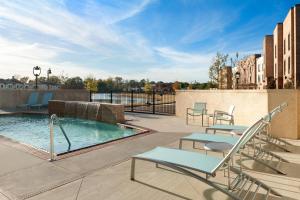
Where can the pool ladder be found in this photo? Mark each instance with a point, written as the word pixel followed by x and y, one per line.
pixel 54 119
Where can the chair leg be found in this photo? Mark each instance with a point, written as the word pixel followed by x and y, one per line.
pixel 180 144
pixel 194 145
pixel 132 169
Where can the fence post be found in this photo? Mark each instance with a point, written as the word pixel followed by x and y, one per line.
pixel 91 96
pixel 153 101
pixel 111 96
pixel 131 100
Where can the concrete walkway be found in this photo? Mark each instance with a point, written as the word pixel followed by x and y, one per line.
pixel 104 173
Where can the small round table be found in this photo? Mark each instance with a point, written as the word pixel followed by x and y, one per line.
pixel 217 147
pixel 237 132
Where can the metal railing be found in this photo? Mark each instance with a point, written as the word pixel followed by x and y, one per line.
pixel 153 102
pixel 55 120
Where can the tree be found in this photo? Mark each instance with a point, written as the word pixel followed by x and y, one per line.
pixel 55 80
pixel 73 83
pixel 91 84
pixel 219 61
pixel 148 87
pixel 24 79
pixel 176 86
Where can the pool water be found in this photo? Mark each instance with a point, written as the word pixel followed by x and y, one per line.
pixel 34 130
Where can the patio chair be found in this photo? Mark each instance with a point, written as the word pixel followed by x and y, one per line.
pixel 238 129
pixel 188 163
pixel 214 142
pixel 46 97
pixel 224 116
pixel 33 99
pixel 198 110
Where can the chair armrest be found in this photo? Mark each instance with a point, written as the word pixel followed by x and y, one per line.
pixel 204 111
pixel 220 112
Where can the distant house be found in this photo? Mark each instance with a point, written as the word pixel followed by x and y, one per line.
pixel 11 84
pixel 16 84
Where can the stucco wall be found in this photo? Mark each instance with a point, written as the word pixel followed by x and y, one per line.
pixel 250 105
pixel 11 98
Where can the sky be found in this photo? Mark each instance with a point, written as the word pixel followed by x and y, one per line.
pixel 160 40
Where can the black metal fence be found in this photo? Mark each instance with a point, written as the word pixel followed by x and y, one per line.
pixel 154 102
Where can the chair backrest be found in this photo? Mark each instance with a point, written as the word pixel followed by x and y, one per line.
pixel 274 111
pixel 199 107
pixel 47 96
pixel 231 109
pixel 33 98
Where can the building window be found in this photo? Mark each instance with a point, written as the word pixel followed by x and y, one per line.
pixel 284 69
pixel 289 38
pixel 284 46
pixel 258 79
pixel 275 51
pixel 275 70
pixel 289 65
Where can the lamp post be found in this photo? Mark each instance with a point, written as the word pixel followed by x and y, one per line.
pixel 237 77
pixel 48 73
pixel 36 73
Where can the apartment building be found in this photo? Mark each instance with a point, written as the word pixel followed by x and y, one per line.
pixel 291 48
pixel 268 61
pixel 225 78
pixel 260 72
pixel 247 69
pixel 278 59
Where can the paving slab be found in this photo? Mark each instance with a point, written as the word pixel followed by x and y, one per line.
pixel 13 159
pixel 65 192
pixel 25 183
pixel 113 154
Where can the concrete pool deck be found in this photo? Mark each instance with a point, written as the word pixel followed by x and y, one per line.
pixel 104 173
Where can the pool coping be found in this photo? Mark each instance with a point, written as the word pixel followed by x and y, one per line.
pixel 45 155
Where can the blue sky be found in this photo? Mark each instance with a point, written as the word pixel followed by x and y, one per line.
pixel 164 40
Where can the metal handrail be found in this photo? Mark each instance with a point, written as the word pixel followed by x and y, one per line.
pixel 54 119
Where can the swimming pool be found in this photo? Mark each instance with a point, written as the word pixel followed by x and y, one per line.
pixel 34 131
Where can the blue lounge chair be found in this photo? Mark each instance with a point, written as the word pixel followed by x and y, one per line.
pixel 240 128
pixel 46 97
pixel 188 163
pixel 33 99
pixel 211 141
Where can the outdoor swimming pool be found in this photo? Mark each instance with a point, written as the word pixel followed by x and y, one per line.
pixel 34 130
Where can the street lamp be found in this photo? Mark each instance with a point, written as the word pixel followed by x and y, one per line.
pixel 237 77
pixel 36 73
pixel 48 73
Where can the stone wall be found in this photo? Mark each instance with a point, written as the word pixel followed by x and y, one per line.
pixel 109 113
pixel 250 105
pixel 10 98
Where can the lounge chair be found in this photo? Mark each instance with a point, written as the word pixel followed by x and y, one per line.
pixel 33 99
pixel 214 142
pixel 188 163
pixel 270 139
pixel 240 128
pixel 46 97
pixel 198 110
pixel 224 116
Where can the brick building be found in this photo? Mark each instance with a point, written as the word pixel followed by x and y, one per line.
pixel 225 78
pixel 278 62
pixel 268 61
pixel 247 69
